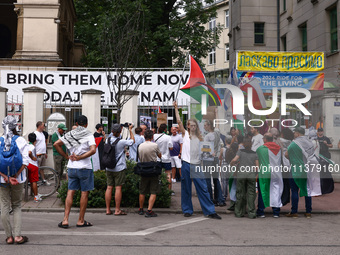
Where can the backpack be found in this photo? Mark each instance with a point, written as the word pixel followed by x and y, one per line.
pixel 10 161
pixel 108 159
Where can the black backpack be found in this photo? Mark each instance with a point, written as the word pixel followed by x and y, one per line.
pixel 108 159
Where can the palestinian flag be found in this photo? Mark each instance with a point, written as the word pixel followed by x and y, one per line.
pixel 327 182
pixel 97 156
pixel 270 175
pixel 309 182
pixel 197 85
pixel 232 188
pixel 258 99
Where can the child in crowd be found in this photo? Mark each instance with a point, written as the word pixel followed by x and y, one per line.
pixel 33 169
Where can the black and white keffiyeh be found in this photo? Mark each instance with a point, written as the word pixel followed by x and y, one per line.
pixel 76 137
pixel 8 124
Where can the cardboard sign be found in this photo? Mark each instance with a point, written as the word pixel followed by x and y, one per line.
pixel 162 118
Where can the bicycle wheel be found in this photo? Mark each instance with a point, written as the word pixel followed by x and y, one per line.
pixel 48 186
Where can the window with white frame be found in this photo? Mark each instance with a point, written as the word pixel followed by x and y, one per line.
pixel 212 56
pixel 227 18
pixel 212 23
pixel 227 52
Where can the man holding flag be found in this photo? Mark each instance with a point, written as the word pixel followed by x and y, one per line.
pixel 270 176
pixel 301 154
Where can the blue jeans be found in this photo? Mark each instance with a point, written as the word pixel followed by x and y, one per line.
pixel 260 204
pixel 201 189
pixel 295 198
pixel 217 196
pixel 225 186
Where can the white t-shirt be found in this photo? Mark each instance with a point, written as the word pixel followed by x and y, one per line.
pixel 23 147
pixel 257 141
pixel 34 153
pixel 190 149
pixel 164 143
pixel 79 150
pixel 40 146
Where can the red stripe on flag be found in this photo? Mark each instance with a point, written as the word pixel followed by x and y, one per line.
pixel 98 140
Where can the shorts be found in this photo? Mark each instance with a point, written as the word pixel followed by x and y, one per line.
pixel 80 179
pixel 33 173
pixel 176 162
pixel 149 185
pixel 41 159
pixel 166 166
pixel 115 178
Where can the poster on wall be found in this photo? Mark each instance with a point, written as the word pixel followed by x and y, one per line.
pixel 267 81
pixel 276 61
pixel 145 120
pixel 10 107
pixel 336 120
pixel 18 107
pixel 19 128
pixel 17 117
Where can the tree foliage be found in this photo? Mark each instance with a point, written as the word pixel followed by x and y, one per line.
pixel 168 34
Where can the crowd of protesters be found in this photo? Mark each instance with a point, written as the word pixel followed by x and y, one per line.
pixel 180 150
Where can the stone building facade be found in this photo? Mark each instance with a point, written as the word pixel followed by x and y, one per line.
pixel 38 33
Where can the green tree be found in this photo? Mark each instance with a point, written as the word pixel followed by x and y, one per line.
pixel 122 42
pixel 168 33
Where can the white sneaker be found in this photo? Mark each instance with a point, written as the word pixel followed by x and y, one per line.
pixel 37 199
pixel 172 193
pixel 39 195
pixel 173 180
pixel 46 182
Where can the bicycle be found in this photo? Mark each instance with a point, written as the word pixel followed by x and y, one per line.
pixel 46 187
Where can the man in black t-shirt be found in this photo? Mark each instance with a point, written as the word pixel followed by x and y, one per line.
pixel 100 131
pixel 99 137
pixel 325 144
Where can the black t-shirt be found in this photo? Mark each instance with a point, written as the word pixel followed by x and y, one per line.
pixel 45 134
pixel 324 149
pixel 96 134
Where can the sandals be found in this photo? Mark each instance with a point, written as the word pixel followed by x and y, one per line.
pixel 86 224
pixel 23 240
pixel 109 213
pixel 12 242
pixel 60 225
pixel 121 213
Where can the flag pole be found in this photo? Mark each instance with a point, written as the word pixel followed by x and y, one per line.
pixel 179 84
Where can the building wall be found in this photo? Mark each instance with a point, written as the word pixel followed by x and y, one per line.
pixel 220 69
pixel 66 33
pixel 243 16
pixel 318 31
pixel 42 32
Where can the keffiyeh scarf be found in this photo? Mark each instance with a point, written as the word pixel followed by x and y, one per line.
pixel 8 124
pixel 76 137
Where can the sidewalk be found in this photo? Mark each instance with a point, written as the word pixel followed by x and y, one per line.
pixel 328 204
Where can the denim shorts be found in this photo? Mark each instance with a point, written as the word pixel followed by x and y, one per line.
pixel 80 179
